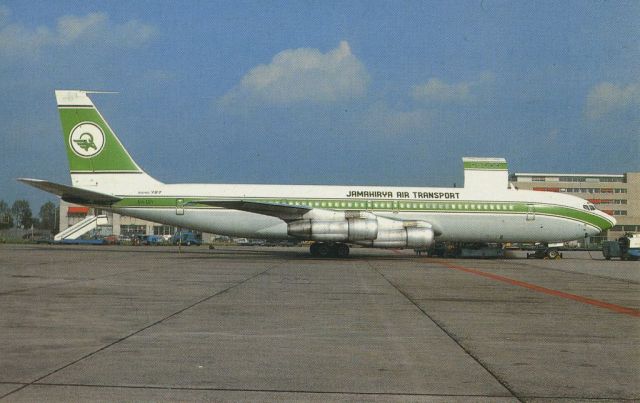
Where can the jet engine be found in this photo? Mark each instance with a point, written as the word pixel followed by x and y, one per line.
pixel 409 237
pixel 364 229
pixel 350 229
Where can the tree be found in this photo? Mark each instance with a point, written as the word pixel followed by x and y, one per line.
pixel 22 213
pixel 6 220
pixel 48 214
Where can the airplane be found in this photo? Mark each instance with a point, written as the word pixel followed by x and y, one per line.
pixel 487 209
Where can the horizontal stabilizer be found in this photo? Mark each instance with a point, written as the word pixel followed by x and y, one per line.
pixel 72 194
pixel 285 212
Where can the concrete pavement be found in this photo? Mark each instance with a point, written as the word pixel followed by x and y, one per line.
pixel 273 324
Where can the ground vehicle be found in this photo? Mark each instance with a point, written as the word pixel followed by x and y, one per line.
pixel 626 248
pixel 153 240
pixel 112 240
pixel 185 238
pixel 546 251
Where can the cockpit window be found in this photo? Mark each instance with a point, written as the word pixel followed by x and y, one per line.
pixel 584 206
pixel 589 207
pixel 592 208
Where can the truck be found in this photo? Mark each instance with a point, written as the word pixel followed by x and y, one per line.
pixel 625 248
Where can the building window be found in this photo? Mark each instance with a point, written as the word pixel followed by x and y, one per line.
pixel 164 230
pixel 132 229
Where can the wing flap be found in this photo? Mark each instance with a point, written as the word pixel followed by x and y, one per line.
pixel 72 194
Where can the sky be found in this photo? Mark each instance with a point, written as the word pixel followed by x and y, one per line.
pixel 324 92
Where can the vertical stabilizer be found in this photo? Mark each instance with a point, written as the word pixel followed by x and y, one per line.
pixel 96 155
pixel 485 173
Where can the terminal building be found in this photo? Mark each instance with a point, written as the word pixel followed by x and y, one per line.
pixel 617 194
pixel 123 226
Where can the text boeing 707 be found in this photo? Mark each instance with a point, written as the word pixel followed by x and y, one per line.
pixel 487 209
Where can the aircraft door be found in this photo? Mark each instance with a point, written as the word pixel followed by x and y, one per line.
pixel 180 207
pixel 531 212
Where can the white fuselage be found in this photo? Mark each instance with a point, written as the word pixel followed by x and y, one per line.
pixel 456 214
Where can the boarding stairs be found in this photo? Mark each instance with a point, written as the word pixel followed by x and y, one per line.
pixel 81 228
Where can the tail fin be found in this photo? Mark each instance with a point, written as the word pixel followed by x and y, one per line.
pixel 96 156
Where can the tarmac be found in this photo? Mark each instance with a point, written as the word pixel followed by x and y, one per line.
pixel 109 323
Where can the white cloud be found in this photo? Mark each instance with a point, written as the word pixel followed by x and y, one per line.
pixel 606 97
pixel 386 121
pixel 94 29
pixel 298 75
pixel 437 91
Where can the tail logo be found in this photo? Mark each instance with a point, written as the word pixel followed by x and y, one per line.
pixel 86 140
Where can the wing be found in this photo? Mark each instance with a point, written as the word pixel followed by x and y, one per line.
pixel 72 194
pixel 285 212
pixel 290 213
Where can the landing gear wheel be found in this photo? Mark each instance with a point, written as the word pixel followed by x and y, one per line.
pixel 324 250
pixel 342 250
pixel 553 254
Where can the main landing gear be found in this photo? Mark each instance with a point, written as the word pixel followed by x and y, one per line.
pixel 329 249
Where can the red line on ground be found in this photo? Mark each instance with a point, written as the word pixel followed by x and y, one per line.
pixel 544 290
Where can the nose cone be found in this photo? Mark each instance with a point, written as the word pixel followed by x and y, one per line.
pixel 611 222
